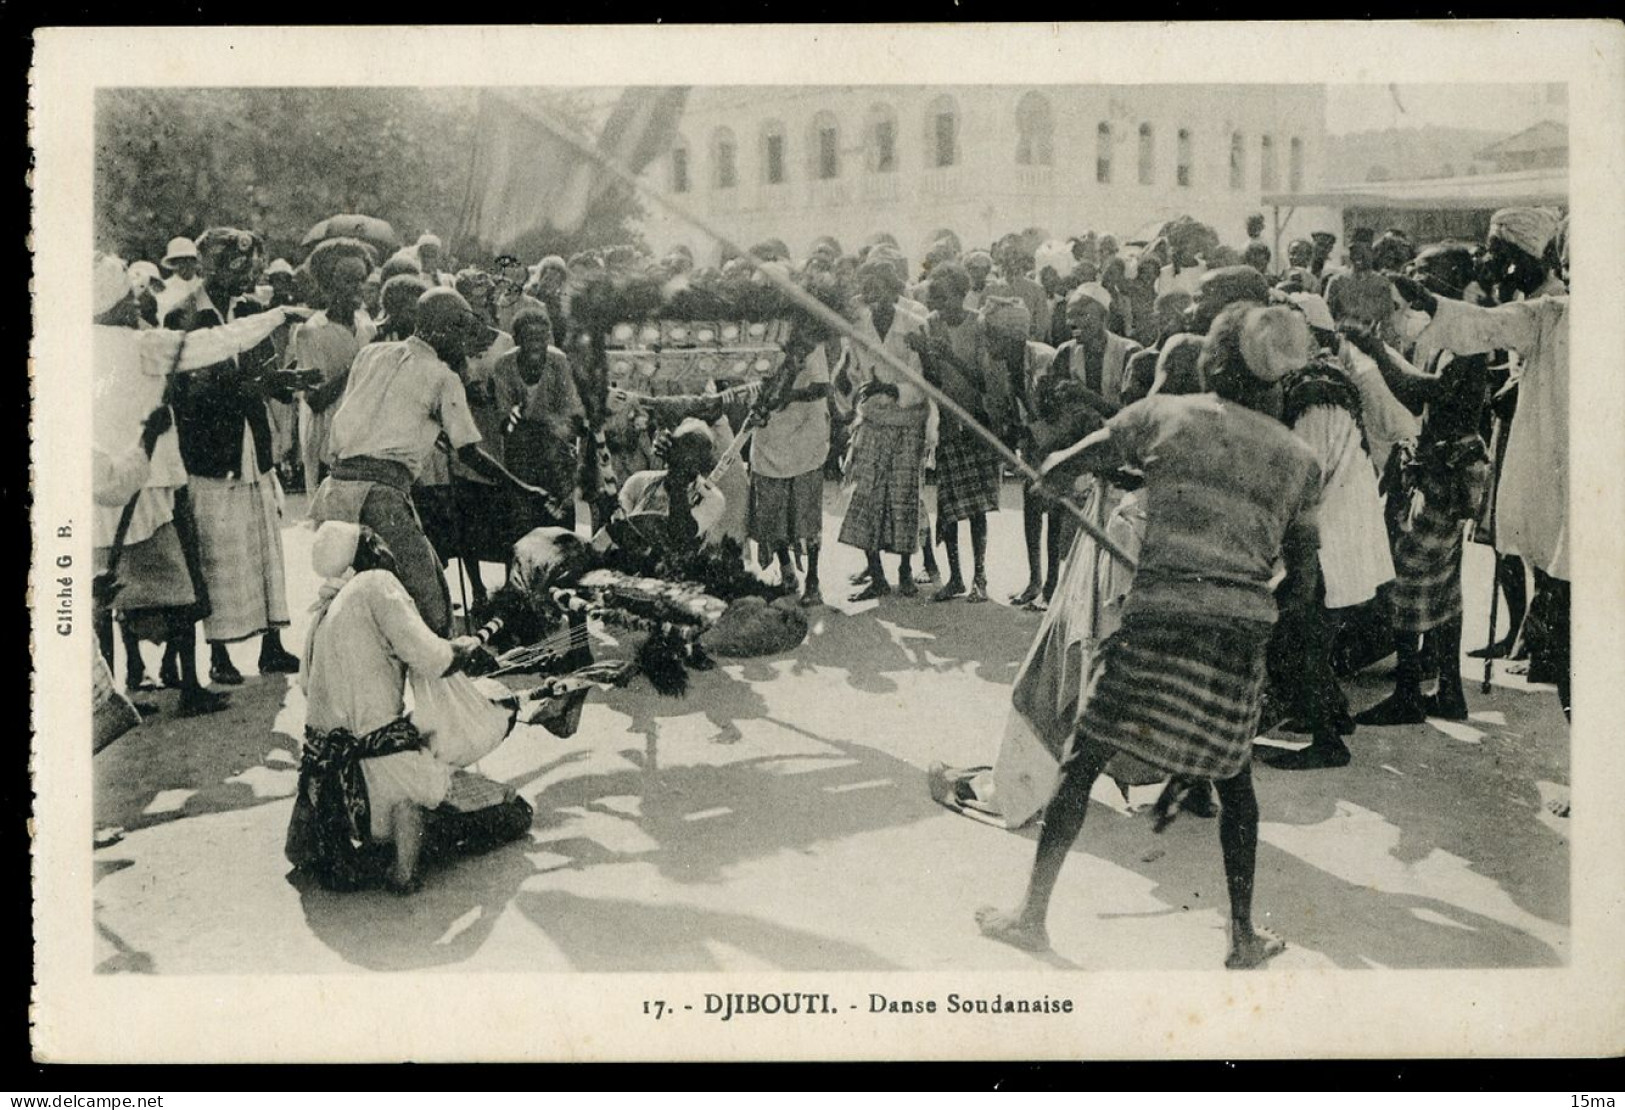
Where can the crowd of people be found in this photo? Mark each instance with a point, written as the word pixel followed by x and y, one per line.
pixel 1294 455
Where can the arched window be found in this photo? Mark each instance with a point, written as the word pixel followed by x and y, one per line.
pixel 679 166
pixel 1035 131
pixel 773 153
pixel 1148 155
pixel 1294 167
pixel 942 132
pixel 1238 160
pixel 1103 154
pixel 824 143
pixel 724 159
pixel 880 139
pixel 1267 177
pixel 1183 168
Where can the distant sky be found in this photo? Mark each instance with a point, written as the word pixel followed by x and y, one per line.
pixel 1500 107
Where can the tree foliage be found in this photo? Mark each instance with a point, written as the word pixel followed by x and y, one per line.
pixel 176 161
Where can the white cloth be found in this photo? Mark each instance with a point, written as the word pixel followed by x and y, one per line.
pixel 117 478
pixel 321 344
pixel 795 440
pixel 1387 422
pixel 129 371
pixel 645 492
pixel 865 366
pixel 1354 553
pixel 399 399
pixel 1531 505
pixel 354 678
pixel 1187 280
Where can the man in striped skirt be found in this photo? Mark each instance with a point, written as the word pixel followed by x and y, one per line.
pixel 1228 491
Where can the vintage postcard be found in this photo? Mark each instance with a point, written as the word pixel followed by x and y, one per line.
pixel 828 542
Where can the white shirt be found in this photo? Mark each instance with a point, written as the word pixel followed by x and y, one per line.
pixel 129 371
pixel 359 651
pixel 400 397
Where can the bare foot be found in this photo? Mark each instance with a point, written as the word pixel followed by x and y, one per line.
pixel 1253 950
pixel 1010 929
pixel 1027 596
pixel 872 592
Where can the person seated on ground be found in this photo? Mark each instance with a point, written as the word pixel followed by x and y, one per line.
pixel 371 796
pixel 650 518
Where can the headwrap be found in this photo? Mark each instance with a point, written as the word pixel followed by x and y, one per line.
pixel 554 262
pixel 1056 256
pixel 1008 316
pixel 1092 290
pixel 1528 229
pixel 279 266
pixel 1313 307
pixel 1230 284
pixel 473 284
pixel 1275 342
pixel 229 248
pixel 429 239
pixel 1323 238
pixel 110 283
pixel 141 275
pixel 333 550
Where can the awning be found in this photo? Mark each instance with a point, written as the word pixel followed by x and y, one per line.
pixel 1480 191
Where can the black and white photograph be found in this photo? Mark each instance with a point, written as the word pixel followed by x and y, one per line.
pixel 756 549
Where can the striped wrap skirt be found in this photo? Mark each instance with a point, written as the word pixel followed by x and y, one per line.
pixel 239 531
pixel 1181 696
pixel 968 477
pixel 883 480
pixel 1427 571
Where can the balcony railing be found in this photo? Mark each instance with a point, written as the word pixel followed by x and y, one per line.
pixel 940 182
pixel 880 188
pixel 827 194
pixel 1035 179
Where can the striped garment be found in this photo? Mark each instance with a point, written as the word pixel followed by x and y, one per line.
pixel 968 477
pixel 1452 479
pixel 239 531
pixel 1427 572
pixel 1180 695
pixel 883 513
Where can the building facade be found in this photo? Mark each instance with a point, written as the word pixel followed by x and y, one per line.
pixel 797 162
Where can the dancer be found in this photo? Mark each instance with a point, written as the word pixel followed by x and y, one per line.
pixel 1228 492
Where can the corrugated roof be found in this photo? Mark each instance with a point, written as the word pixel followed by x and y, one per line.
pixel 1479 191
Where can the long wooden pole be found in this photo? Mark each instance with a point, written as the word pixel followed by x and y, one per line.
pixel 819 310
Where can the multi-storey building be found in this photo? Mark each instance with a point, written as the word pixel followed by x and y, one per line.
pixel 798 162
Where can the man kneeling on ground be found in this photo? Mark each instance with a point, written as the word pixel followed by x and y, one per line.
pixel 367 779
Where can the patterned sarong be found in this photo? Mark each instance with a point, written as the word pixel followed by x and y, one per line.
pixel 1452 480
pixel 1178 695
pixel 968 477
pixel 884 511
pixel 239 531
pixel 331 829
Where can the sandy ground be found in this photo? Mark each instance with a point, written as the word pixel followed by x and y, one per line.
pixel 777 817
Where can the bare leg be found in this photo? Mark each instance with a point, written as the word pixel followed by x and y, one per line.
pixel 878 586
pixel 978 551
pixel 1238 840
pixel 1451 701
pixel 1054 536
pixel 906 586
pixel 812 595
pixel 1032 533
pixel 955 584
pixel 1063 821
pixel 194 699
pixel 135 668
pixel 406 824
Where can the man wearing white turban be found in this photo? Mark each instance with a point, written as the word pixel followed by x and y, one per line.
pixel 1531 506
